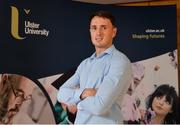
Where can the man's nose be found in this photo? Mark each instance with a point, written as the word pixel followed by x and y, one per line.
pixel 99 30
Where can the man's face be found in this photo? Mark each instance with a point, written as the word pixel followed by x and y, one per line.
pixel 102 32
pixel 19 94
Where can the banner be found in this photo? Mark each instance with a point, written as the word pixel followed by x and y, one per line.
pixel 44 44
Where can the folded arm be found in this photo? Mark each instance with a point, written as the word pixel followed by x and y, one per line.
pixel 113 86
pixel 70 92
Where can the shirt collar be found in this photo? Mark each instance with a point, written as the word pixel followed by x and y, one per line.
pixel 107 51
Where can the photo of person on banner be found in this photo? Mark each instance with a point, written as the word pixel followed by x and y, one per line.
pixel 96 89
pixel 162 106
pixel 22 102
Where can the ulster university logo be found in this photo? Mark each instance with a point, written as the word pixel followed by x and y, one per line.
pixel 15 23
pixel 30 27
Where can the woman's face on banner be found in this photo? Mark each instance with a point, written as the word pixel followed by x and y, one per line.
pixel 161 106
pixel 102 32
pixel 20 93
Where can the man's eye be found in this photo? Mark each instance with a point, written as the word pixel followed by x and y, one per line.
pixel 93 28
pixel 104 27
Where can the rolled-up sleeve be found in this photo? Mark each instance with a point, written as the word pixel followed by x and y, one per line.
pixel 69 92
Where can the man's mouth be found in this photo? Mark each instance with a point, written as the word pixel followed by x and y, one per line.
pixel 99 38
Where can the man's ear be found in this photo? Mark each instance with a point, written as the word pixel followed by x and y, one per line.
pixel 4 78
pixel 114 31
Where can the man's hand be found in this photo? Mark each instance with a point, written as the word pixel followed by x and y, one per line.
pixel 88 92
pixel 64 106
pixel 72 108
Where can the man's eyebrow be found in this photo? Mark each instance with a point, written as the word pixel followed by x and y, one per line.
pixel 103 25
pixel 93 25
pixel 97 25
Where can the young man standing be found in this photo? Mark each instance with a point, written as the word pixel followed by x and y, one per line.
pixel 96 89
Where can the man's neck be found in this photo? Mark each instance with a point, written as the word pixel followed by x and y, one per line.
pixel 100 50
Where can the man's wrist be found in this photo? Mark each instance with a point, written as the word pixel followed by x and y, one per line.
pixel 81 96
pixel 77 95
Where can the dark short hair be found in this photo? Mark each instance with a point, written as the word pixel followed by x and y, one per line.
pixel 104 14
pixel 171 96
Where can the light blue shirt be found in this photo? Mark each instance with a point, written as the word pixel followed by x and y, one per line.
pixel 110 73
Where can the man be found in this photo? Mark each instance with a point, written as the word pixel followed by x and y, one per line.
pixel 96 89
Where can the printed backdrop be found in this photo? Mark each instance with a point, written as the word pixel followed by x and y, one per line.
pixel 42 40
